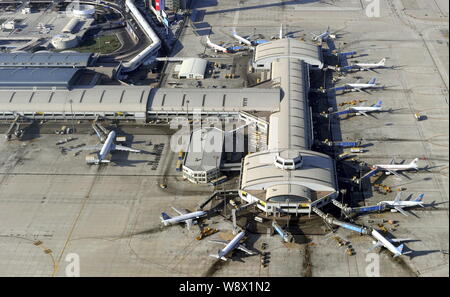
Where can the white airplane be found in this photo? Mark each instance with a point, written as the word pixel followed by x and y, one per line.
pixel 323 36
pixel 398 205
pixel 362 110
pixel 230 246
pixel 392 168
pixel 106 148
pixel 370 66
pixel 184 217
pixel 387 243
pixel 241 39
pixel 215 47
pixel 372 83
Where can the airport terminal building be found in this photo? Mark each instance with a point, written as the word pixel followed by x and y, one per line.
pixel 287 177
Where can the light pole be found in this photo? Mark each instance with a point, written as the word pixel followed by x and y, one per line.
pixel 187 110
pixel 73 119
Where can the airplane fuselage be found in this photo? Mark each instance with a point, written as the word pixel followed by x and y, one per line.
pixel 242 40
pixel 322 36
pixel 368 66
pixel 363 66
pixel 231 245
pixel 386 243
pixel 361 86
pixel 106 148
pixel 216 47
pixel 396 167
pixel 402 203
pixel 185 217
pixel 365 108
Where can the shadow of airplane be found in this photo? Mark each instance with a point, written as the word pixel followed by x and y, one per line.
pixel 261 6
pixel 415 254
pixel 125 163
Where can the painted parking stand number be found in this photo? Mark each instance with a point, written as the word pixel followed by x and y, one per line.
pixel 373 265
pixel 373 8
pixel 73 266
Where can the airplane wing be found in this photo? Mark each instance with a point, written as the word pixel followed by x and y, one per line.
pixel 86 148
pixel 409 197
pixel 404 175
pixel 363 113
pixel 179 211
pixel 400 239
pixel 342 112
pixel 224 242
pixel 343 88
pixel 376 245
pixel 395 173
pixel 315 36
pixel 245 250
pixel 99 133
pixel 391 162
pixel 370 173
pixel 188 224
pixel 125 148
pixel 400 210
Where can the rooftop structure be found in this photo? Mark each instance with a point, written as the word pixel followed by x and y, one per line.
pixel 113 102
pixel 82 10
pixel 288 177
pixel 164 101
pixel 193 68
pixel 65 41
pixel 45 59
pixel 204 155
pixel 310 183
pixel 133 102
pixel 291 127
pixel 37 77
pixel 71 26
pixel 268 52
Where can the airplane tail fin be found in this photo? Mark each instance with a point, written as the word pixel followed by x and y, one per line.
pixel 217 256
pixel 96 160
pixel 414 162
pixel 379 103
pixel 400 248
pixel 165 216
pixel 419 198
pixel 382 62
pixel 189 224
pixel 372 81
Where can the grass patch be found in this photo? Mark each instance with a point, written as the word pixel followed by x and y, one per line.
pixel 103 45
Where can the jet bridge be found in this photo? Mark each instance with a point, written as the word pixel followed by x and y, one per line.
pixel 14 128
pixel 358 210
pixel 333 221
